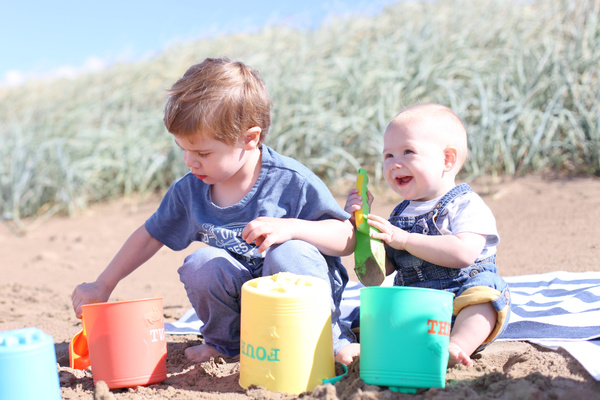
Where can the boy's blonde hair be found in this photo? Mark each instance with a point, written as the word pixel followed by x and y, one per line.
pixel 447 126
pixel 221 98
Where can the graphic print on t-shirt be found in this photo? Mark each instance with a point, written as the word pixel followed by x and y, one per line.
pixel 229 237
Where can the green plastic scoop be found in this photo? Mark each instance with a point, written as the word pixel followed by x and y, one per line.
pixel 369 254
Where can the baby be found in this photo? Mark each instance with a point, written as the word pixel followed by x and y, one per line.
pixel 442 235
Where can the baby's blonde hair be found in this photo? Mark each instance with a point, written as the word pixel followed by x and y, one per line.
pixel 444 123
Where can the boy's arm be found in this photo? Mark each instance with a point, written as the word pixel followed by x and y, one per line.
pixel 331 236
pixel 136 250
pixel 452 251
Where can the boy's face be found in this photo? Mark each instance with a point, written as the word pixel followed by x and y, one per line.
pixel 211 160
pixel 414 161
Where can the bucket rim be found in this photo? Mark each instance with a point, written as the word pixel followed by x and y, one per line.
pixel 406 288
pixel 114 303
pixel 27 339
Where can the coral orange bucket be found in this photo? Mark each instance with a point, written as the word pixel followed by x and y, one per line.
pixel 126 342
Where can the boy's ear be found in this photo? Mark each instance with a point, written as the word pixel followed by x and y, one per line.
pixel 252 137
pixel 450 158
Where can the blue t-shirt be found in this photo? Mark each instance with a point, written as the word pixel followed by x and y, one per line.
pixel 285 189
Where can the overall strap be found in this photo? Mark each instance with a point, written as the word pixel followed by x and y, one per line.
pixel 400 208
pixel 449 197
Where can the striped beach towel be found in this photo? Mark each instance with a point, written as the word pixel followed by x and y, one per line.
pixel 554 306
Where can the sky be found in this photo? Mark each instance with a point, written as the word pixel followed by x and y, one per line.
pixel 47 39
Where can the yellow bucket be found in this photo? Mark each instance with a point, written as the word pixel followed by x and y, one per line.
pixel 286 340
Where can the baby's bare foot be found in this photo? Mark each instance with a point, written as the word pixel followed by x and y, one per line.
pixel 458 356
pixel 346 354
pixel 202 353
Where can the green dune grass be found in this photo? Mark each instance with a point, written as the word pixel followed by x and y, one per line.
pixel 523 76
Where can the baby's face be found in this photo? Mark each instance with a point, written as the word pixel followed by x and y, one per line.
pixel 415 161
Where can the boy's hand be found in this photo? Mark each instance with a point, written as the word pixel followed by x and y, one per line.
pixel 267 231
pixel 391 235
pixel 87 293
pixel 354 203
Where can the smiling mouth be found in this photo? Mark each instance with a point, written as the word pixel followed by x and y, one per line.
pixel 403 180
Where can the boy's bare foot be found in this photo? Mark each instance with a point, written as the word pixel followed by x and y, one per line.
pixel 346 354
pixel 201 353
pixel 458 356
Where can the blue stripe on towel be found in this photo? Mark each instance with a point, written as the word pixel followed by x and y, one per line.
pixel 536 330
pixel 582 294
pixel 545 312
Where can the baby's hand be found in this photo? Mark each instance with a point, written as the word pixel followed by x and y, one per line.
pixel 354 202
pixel 390 234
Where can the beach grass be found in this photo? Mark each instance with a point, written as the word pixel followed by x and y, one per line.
pixel 522 75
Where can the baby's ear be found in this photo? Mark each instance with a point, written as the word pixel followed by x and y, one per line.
pixel 450 158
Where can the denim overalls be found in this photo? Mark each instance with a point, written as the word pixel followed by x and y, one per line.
pixel 480 279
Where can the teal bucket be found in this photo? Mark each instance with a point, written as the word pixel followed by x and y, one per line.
pixel 28 369
pixel 404 337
